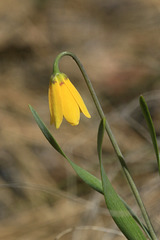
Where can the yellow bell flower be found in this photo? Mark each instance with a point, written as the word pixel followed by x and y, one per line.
pixel 64 100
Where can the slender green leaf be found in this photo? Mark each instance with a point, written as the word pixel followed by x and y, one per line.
pixel 151 128
pixel 88 178
pixel 46 132
pixel 118 210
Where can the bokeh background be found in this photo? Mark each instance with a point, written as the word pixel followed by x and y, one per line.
pixel 118 43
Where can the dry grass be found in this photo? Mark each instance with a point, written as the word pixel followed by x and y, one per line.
pixel 118 42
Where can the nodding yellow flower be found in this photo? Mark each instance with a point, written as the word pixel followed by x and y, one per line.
pixel 64 100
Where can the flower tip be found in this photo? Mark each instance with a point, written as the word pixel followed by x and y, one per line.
pixel 88 115
pixel 85 112
pixel 57 124
pixel 74 123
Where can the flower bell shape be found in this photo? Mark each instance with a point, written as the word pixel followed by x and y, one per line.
pixel 65 100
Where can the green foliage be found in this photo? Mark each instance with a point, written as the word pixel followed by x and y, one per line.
pixel 118 210
pixel 151 128
pixel 88 178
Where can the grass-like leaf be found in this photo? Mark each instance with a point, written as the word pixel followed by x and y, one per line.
pixel 151 128
pixel 88 178
pixel 115 205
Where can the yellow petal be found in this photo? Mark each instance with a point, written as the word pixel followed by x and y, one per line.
pixel 70 107
pixel 77 97
pixel 55 103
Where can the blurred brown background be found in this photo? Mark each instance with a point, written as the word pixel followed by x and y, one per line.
pixel 118 43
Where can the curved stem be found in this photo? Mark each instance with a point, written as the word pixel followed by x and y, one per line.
pixel 111 137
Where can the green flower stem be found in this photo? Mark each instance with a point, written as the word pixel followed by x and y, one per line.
pixel 56 66
pixel 111 137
